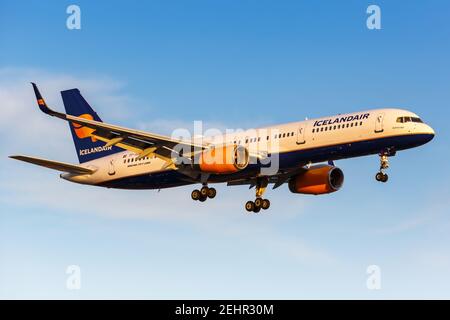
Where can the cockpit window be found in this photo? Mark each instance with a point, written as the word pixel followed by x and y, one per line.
pixel 409 119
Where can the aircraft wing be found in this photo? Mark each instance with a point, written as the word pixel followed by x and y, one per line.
pixel 55 165
pixel 140 142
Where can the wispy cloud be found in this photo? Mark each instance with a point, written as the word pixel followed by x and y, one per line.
pixel 431 210
pixel 404 225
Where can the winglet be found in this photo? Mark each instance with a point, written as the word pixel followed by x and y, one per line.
pixel 40 101
pixel 42 105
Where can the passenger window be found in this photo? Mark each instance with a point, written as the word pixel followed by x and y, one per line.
pixel 284 135
pixel 360 123
pixel 334 128
pixel 267 137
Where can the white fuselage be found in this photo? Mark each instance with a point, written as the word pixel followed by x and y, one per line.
pixel 303 141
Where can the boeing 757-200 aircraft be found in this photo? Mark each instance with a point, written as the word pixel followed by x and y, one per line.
pixel 117 157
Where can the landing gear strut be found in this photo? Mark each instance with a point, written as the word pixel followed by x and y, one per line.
pixel 259 203
pixel 384 164
pixel 204 193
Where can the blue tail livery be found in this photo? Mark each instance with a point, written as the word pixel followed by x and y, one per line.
pixel 88 147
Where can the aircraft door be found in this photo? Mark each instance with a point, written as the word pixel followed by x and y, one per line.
pixel 379 123
pixel 301 133
pixel 111 170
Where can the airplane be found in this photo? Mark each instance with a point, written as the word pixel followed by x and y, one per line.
pixel 303 152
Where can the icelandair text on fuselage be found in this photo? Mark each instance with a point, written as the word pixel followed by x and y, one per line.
pixel 327 122
pixel 94 150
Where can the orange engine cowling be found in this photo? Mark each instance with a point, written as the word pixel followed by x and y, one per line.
pixel 222 159
pixel 317 180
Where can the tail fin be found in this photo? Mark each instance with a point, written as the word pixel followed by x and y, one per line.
pixel 88 147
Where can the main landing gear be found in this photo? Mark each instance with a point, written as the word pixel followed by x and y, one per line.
pixel 204 193
pixel 384 164
pixel 259 203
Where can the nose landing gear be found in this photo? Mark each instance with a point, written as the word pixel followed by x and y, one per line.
pixel 384 165
pixel 259 203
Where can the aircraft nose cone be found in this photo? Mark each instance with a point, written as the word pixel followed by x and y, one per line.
pixel 429 134
pixel 431 131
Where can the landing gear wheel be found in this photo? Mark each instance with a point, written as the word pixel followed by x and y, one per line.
pixel 211 193
pixel 258 202
pixel 379 176
pixel 265 204
pixel 202 198
pixel 256 209
pixel 195 194
pixel 382 177
pixel 204 191
pixel 250 206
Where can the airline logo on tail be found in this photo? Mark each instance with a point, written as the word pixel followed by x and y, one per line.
pixel 83 132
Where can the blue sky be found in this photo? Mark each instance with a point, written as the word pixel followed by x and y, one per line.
pixel 161 65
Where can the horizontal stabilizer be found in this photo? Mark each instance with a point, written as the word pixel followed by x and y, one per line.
pixel 55 165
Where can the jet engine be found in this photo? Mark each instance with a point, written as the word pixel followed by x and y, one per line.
pixel 317 180
pixel 222 159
